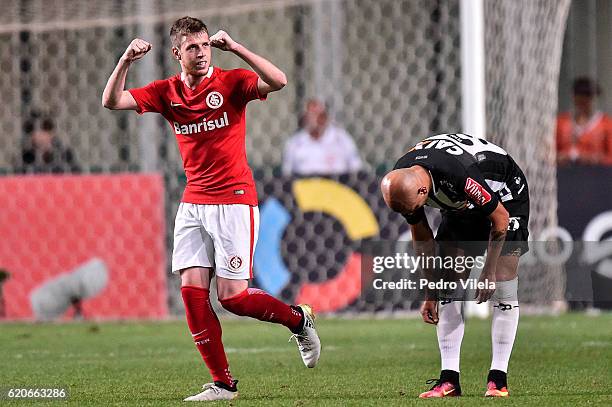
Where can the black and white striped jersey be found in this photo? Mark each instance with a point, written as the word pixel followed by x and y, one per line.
pixel 467 172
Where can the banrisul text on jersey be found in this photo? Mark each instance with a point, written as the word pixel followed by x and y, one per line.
pixel 201 126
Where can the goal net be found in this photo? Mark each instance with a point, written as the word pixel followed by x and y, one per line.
pixel 389 72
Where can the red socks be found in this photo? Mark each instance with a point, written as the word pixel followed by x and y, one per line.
pixel 206 331
pixel 260 305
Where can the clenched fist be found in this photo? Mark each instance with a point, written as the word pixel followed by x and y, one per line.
pixel 223 41
pixel 136 50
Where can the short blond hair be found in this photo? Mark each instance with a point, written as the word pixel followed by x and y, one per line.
pixel 185 26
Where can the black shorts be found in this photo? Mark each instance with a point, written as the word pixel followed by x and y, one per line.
pixel 459 229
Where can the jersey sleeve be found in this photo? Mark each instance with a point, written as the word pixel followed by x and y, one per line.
pixel 148 98
pixel 246 85
pixel 479 193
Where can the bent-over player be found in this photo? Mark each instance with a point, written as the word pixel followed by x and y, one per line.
pixel 483 196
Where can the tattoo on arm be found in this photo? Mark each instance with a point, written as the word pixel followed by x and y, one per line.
pixel 498 235
pixel 497 240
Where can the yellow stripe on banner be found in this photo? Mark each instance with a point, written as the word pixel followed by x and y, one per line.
pixel 339 201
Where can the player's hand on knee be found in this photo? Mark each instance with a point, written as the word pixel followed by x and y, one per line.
pixel 136 50
pixel 223 41
pixel 484 294
pixel 429 311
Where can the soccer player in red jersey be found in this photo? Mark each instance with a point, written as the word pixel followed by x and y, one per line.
pixel 217 221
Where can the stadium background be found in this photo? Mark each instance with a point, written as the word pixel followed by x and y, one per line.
pixel 390 72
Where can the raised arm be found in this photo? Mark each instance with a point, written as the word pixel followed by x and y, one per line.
pixel 115 97
pixel 271 78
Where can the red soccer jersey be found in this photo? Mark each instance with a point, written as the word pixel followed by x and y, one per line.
pixel 210 125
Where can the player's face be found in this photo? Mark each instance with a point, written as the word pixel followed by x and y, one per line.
pixel 194 54
pixel 412 202
pixel 408 208
pixel 412 209
pixel 403 205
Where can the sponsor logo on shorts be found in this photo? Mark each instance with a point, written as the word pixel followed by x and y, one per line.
pixel 214 100
pixel 235 262
pixel 513 223
pixel 239 192
pixel 476 192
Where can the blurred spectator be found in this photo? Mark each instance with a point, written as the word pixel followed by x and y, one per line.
pixel 43 152
pixel 319 147
pixel 584 136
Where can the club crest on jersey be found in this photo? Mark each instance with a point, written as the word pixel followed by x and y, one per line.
pixel 476 192
pixel 234 262
pixel 214 100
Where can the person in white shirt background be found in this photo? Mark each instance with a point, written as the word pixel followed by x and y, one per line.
pixel 320 147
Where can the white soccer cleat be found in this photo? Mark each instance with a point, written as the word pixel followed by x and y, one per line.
pixel 212 392
pixel 308 340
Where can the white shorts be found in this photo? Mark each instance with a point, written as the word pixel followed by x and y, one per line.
pixel 222 237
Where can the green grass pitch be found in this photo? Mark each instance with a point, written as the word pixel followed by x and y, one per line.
pixel 557 361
